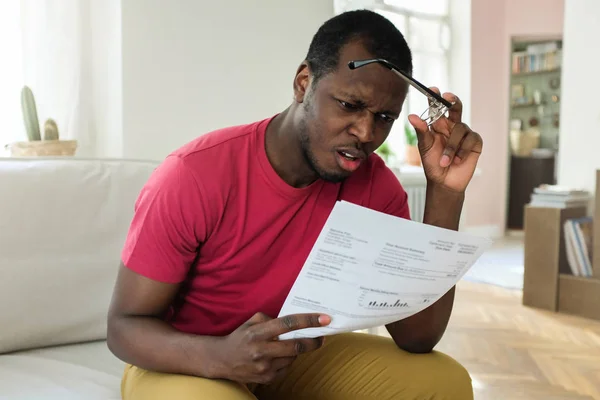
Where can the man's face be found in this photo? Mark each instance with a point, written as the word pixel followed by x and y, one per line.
pixel 348 115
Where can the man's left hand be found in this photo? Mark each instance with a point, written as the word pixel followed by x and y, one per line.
pixel 449 148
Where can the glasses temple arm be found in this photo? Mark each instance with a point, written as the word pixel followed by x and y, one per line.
pixel 411 81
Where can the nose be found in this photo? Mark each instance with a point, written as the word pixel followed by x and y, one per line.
pixel 364 127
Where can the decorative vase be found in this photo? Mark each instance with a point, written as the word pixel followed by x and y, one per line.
pixel 412 156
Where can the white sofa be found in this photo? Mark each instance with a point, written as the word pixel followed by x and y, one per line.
pixel 62 224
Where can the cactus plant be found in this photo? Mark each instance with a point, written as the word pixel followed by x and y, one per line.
pixel 32 124
pixel 50 130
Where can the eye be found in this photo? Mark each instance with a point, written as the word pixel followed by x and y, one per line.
pixel 348 106
pixel 386 118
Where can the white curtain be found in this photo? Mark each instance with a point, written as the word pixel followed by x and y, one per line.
pixel 48 44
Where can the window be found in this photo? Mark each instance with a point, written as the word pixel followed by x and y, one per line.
pixel 11 73
pixel 46 45
pixel 425 25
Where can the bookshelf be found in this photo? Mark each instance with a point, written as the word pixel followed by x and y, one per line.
pixel 534 120
pixel 535 89
pixel 549 282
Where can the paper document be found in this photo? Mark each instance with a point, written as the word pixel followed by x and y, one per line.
pixel 368 269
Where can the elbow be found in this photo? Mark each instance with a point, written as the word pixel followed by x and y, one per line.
pixel 417 345
pixel 113 337
pixel 111 344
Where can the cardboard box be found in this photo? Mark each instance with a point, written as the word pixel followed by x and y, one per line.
pixel 545 256
pixel 548 282
pixel 579 296
pixel 596 234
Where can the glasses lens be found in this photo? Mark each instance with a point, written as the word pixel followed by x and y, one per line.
pixel 433 113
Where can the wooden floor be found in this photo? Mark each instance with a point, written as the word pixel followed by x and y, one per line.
pixel 514 352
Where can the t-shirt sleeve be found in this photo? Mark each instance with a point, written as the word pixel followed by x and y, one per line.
pixel 168 224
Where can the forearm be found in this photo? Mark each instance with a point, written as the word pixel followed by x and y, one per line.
pixel 443 207
pixel 421 332
pixel 152 344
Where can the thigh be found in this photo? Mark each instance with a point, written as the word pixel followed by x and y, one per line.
pixel 360 366
pixel 140 384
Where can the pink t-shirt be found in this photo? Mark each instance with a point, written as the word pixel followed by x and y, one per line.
pixel 216 217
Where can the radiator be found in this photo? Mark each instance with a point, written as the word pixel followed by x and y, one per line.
pixel 416 201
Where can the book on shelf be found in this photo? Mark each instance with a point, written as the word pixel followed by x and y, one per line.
pixel 537 58
pixel 560 190
pixel 559 197
pixel 579 245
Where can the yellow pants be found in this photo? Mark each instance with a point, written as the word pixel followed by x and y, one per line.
pixel 348 367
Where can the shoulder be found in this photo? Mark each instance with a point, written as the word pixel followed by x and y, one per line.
pixel 217 157
pixel 214 143
pixel 379 188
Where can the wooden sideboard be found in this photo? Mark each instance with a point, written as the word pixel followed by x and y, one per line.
pixel 526 173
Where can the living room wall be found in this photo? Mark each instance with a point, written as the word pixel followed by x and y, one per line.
pixel 195 94
pixel 493 23
pixel 580 114
pixel 240 70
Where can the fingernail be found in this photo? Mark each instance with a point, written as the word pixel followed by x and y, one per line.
pixel 324 319
pixel 445 161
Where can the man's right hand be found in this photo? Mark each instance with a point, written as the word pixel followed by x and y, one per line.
pixel 253 354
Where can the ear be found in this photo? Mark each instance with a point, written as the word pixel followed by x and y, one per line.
pixel 301 82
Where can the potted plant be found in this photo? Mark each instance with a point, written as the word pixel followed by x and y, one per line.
pixel 385 152
pixel 412 156
pixel 50 145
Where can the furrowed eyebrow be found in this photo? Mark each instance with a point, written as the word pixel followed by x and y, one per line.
pixel 357 101
pixel 354 99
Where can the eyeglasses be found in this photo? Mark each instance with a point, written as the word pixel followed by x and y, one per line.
pixel 438 106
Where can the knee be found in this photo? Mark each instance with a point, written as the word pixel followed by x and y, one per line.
pixel 451 379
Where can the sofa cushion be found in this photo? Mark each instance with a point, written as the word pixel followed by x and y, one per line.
pixel 63 222
pixel 85 371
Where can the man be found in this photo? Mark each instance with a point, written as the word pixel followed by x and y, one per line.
pixel 225 223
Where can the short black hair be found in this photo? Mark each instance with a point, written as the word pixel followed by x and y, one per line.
pixel 380 36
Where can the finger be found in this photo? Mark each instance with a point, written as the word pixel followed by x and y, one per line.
pixel 282 363
pixel 278 326
pixel 459 132
pixel 282 366
pixel 257 319
pixel 471 144
pixel 455 112
pixel 280 374
pixel 434 89
pixel 424 135
pixel 273 371
pixel 441 125
pixel 292 347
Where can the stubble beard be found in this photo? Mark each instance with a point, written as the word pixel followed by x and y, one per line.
pixel 307 152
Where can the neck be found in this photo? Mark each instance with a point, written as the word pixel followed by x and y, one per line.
pixel 284 150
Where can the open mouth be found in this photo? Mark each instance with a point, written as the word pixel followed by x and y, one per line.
pixel 347 156
pixel 347 161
